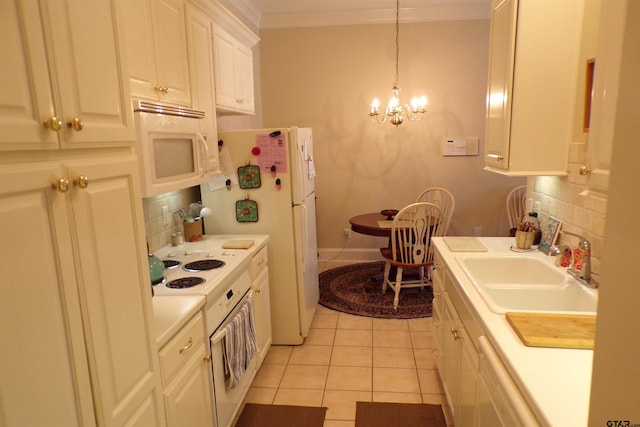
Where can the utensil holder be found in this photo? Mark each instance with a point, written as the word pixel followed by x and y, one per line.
pixel 192 230
pixel 524 239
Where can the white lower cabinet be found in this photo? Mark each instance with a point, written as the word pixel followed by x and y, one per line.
pixel 186 377
pixel 261 302
pixel 478 388
pixel 78 347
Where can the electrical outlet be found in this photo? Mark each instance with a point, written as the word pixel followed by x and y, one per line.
pixel 166 216
pixel 347 233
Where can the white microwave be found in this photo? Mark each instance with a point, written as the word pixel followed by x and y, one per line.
pixel 172 152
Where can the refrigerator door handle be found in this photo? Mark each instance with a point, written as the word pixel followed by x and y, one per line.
pixel 305 236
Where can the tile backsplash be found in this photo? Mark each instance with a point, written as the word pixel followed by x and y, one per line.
pixel 567 198
pixel 158 232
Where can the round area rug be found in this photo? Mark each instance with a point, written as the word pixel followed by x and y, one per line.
pixel 357 289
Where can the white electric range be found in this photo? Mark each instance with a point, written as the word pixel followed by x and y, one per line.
pixel 223 277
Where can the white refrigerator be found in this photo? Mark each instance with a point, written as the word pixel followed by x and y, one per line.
pixel 286 210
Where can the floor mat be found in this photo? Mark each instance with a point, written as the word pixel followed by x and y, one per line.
pixel 254 415
pixel 378 414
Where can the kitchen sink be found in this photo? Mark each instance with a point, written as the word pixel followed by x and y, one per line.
pixel 521 283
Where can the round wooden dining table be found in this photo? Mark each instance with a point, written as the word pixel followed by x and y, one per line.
pixel 368 224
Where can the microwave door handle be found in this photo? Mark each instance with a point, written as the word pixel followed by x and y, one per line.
pixel 204 154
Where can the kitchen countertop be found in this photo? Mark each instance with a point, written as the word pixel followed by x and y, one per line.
pixel 555 382
pixel 171 312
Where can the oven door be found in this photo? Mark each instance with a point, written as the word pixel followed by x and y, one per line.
pixel 228 400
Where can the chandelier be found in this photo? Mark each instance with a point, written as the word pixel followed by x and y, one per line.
pixel 396 111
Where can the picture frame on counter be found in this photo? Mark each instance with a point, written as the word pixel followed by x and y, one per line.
pixel 549 234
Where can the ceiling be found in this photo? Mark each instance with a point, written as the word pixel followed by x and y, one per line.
pixel 310 13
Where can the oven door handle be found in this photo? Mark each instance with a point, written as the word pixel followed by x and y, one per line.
pixel 217 337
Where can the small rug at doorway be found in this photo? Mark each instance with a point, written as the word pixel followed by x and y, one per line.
pixel 255 415
pixel 378 414
pixel 357 289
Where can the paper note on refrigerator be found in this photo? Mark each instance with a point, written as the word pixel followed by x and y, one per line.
pixel 228 173
pixel 273 152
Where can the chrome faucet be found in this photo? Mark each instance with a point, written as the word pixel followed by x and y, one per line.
pixel 584 274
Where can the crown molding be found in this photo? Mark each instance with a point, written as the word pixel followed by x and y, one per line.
pixel 444 11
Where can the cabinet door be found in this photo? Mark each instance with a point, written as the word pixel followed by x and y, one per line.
pixel 225 72
pixel 188 401
pixel 43 367
pixel 170 40
pixel 468 379
pixel 139 45
pixel 85 54
pixel 244 78
pixel 25 91
pixel 262 312
pixel 501 60
pixel 115 289
pixel 450 353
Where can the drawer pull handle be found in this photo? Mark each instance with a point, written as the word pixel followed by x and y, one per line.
pixel 187 346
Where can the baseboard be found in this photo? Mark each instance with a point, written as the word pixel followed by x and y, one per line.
pixel 335 257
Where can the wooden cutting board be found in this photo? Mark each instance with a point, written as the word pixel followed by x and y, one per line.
pixel 554 330
pixel 237 244
pixel 464 244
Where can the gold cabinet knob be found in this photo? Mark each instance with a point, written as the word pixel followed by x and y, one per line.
pixel 584 170
pixel 455 333
pixel 75 124
pixel 62 185
pixel 157 88
pixel 206 358
pixel 53 123
pixel 81 181
pixel 165 89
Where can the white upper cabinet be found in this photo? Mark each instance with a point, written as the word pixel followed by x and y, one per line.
pixel 62 84
pixel 533 69
pixel 611 41
pixel 156 43
pixel 233 57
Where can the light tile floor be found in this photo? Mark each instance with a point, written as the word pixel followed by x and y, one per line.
pixel 348 358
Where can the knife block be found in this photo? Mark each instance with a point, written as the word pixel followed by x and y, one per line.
pixel 192 230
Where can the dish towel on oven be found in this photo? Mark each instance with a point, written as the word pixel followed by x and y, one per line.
pixel 239 343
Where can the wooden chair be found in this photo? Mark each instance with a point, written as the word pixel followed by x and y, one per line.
pixel 443 199
pixel 516 205
pixel 411 248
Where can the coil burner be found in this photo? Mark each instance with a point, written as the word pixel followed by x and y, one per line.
pixel 170 263
pixel 203 265
pixel 185 282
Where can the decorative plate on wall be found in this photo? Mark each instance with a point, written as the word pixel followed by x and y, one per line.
pixel 249 176
pixel 246 211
